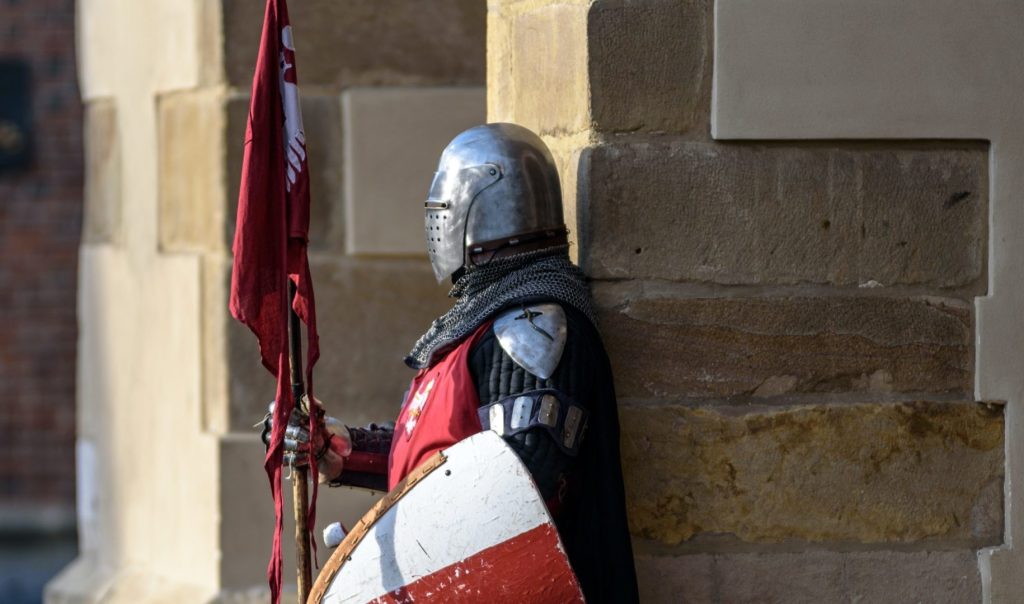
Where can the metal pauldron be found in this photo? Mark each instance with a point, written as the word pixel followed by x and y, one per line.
pixel 534 337
pixel 548 409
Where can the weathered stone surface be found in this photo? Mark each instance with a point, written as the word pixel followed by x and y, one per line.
pixel 321 118
pixel 871 473
pixel 549 69
pixel 499 65
pixel 393 139
pixel 157 50
pixel 811 577
pixel 649 65
pixel 512 68
pixel 192 187
pixel 785 214
pixel 369 314
pixel 102 216
pixel 667 347
pixel 612 66
pixel 676 579
pixel 567 158
pixel 237 109
pixel 366 42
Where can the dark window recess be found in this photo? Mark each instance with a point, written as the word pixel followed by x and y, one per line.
pixel 15 115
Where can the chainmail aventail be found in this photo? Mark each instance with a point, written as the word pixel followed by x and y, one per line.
pixel 484 290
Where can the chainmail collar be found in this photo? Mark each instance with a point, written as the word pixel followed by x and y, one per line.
pixel 484 290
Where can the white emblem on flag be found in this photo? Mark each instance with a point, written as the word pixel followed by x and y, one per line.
pixel 416 406
pixel 294 134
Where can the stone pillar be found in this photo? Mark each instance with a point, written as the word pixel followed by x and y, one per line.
pixel 173 502
pixel 791 321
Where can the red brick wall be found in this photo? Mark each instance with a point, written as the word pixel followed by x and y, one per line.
pixel 40 223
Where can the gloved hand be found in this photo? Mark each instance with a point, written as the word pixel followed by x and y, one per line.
pixel 331 441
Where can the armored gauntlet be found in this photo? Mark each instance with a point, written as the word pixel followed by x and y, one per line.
pixel 331 442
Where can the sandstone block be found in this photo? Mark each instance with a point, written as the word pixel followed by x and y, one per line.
pixel 664 347
pixel 393 139
pixel 366 42
pixel 868 473
pixel 216 328
pixel 499 65
pixel 786 214
pixel 676 578
pixel 369 313
pixel 567 158
pixel 237 109
pixel 158 49
pixel 191 179
pixel 649 65
pixel 811 577
pixel 549 69
pixel 102 215
pixel 321 118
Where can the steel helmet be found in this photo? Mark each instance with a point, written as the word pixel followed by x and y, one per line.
pixel 495 192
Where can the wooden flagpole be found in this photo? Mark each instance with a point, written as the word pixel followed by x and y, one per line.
pixel 300 488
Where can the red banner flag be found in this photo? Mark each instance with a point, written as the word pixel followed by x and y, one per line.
pixel 271 233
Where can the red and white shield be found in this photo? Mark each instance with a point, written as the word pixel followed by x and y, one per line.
pixel 466 526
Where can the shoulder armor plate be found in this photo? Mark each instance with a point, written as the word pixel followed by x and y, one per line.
pixel 534 336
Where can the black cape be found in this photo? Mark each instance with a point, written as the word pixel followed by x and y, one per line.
pixel 595 532
pixel 592 523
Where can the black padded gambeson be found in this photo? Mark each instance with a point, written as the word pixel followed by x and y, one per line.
pixel 497 376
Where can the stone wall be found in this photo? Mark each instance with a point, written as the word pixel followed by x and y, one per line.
pixel 801 223
pixel 40 221
pixel 791 322
pixel 176 505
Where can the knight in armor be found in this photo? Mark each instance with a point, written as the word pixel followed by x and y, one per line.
pixel 518 353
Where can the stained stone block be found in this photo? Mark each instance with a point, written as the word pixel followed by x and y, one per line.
pixel 369 313
pixel 102 215
pixel 811 576
pixel 393 139
pixel 157 48
pixel 237 109
pixel 216 328
pixel 567 157
pixel 499 65
pixel 321 117
pixel 612 66
pixel 191 179
pixel 814 70
pixel 366 42
pixel 668 347
pixel 549 69
pixel 865 473
pixel 675 578
pixel 649 65
pixel 786 214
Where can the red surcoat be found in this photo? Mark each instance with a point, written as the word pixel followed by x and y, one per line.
pixel 439 410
